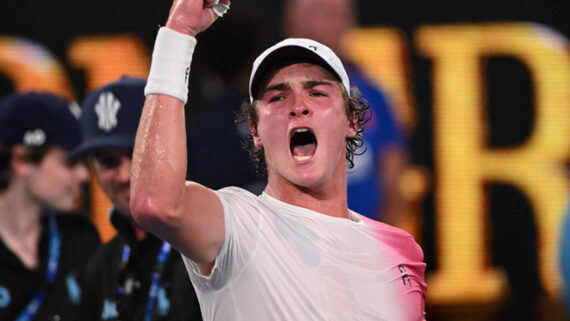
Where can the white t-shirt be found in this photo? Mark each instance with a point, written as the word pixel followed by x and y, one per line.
pixel 283 262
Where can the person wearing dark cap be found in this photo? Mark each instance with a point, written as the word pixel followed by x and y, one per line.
pixel 135 276
pixel 295 252
pixel 44 246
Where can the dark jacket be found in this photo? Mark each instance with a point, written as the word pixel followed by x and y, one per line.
pixel 19 285
pixel 175 299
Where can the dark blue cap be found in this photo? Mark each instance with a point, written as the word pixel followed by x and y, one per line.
pixel 111 115
pixel 39 119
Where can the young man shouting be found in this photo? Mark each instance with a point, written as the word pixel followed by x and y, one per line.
pixel 296 252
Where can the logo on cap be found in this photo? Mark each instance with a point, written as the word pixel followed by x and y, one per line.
pixel 35 137
pixel 106 109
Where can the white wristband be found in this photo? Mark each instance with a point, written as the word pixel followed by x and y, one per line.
pixel 170 67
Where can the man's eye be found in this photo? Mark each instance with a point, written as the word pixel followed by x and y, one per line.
pixel 71 162
pixel 276 98
pixel 318 93
pixel 108 161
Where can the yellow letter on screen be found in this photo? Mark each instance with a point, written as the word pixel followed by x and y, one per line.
pixel 31 67
pixel 106 58
pixel 536 167
pixel 383 54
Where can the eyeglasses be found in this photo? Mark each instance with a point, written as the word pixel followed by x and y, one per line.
pixel 112 157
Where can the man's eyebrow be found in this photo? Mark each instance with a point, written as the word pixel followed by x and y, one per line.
pixel 307 84
pixel 279 86
pixel 314 83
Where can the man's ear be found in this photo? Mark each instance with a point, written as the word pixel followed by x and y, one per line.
pixel 352 125
pixel 256 138
pixel 20 165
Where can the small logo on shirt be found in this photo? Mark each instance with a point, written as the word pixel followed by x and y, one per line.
pixel 5 297
pixel 109 310
pixel 73 289
pixel 405 277
pixel 163 303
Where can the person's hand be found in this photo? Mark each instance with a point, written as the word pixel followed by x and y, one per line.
pixel 192 16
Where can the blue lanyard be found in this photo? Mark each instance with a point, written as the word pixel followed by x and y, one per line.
pixel 155 279
pixel 53 262
pixel 155 276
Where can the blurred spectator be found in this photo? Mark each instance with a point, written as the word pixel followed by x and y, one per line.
pixel 373 184
pixel 119 277
pixel 42 253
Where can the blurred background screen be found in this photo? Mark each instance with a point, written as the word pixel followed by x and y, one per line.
pixel 481 89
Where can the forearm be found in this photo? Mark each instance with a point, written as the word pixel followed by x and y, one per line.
pixel 159 158
pixel 187 215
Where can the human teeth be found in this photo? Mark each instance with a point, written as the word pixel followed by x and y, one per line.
pixel 303 144
pixel 302 158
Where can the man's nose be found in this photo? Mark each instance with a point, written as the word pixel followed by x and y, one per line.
pixel 299 107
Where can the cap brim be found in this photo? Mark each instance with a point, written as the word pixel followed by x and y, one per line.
pixel 87 148
pixel 285 56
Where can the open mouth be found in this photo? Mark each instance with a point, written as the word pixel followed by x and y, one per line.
pixel 303 144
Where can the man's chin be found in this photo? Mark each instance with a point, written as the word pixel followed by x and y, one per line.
pixel 122 205
pixel 125 210
pixel 63 207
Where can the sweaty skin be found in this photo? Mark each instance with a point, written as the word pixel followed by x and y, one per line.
pixel 296 250
pixel 189 215
pixel 305 96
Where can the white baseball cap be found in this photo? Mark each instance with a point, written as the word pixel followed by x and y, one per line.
pixel 296 49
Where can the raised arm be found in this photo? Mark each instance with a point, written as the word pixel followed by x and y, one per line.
pixel 185 214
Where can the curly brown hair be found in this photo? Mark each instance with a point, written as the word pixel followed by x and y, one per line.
pixel 356 108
